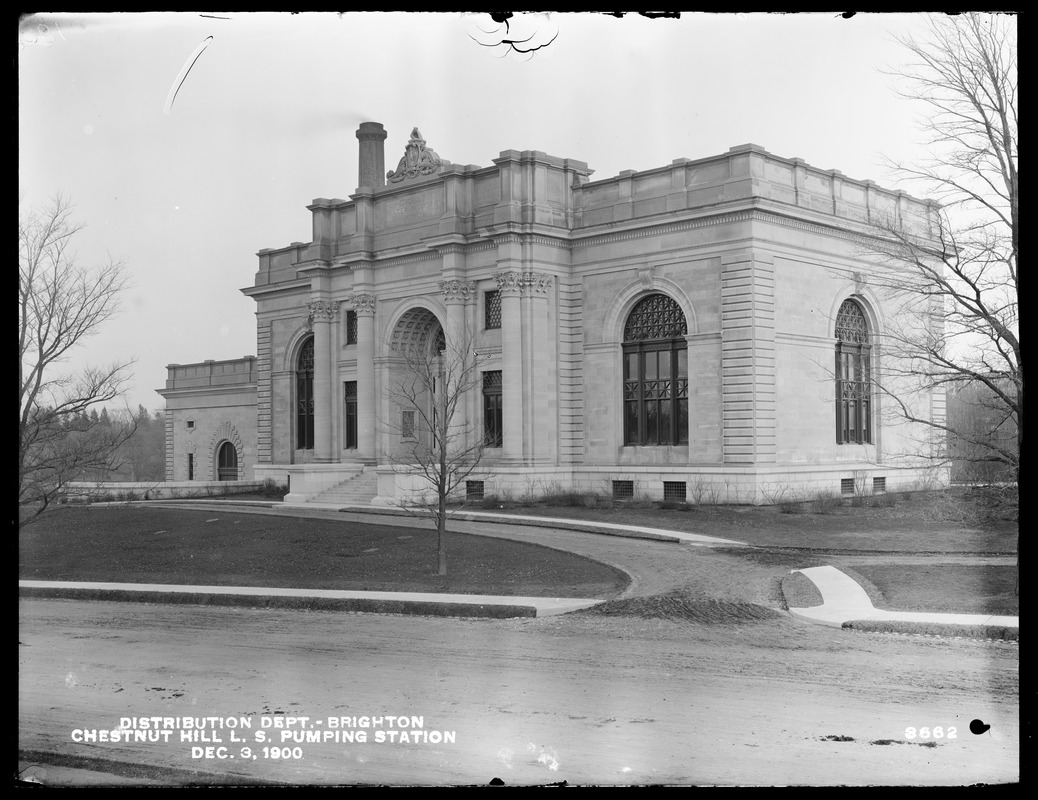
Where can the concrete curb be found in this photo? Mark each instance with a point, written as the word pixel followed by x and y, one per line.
pixel 408 603
pixel 561 523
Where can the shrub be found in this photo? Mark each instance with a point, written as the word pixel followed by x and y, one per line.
pixel 886 500
pixel 826 503
pixel 492 501
pixel 791 507
pixel 271 488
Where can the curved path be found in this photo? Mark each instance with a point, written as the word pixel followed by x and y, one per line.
pixel 844 600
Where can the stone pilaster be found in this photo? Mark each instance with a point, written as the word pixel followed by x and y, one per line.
pixel 528 367
pixel 364 305
pixel 509 283
pixel 323 314
pixel 748 357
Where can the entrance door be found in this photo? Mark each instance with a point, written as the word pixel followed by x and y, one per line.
pixel 227 462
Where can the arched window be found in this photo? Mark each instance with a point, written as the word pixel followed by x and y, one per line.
pixel 853 382
pixel 305 396
pixel 655 373
pixel 227 463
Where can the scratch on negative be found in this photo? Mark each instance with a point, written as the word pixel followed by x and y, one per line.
pixel 183 74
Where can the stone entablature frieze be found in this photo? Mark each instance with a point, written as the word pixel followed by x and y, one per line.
pixel 513 282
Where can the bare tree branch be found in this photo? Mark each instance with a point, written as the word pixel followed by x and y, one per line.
pixel 60 304
pixel 441 446
pixel 955 291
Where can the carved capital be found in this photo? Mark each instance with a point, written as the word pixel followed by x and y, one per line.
pixel 455 291
pixel 519 283
pixel 363 304
pixel 322 310
pixel 537 282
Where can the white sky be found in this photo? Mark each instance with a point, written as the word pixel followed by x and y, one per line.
pixel 264 122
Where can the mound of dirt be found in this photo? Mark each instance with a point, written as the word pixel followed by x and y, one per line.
pixel 679 604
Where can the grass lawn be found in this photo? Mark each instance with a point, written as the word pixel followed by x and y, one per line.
pixel 919 524
pixel 143 544
pixel 948 588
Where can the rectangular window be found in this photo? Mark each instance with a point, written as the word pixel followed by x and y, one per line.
pixel 879 485
pixel 351 327
pixel 190 424
pixel 350 414
pixel 474 490
pixel 623 490
pixel 674 491
pixel 492 431
pixel 407 424
pixel 190 466
pixel 492 309
pixel 847 486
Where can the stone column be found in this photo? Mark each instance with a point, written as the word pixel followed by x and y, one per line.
pixel 364 305
pixel 323 314
pixel 510 285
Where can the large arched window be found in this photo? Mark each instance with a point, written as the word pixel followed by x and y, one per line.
pixel 655 373
pixel 305 396
pixel 853 382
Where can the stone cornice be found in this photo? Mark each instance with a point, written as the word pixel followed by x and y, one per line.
pixel 776 213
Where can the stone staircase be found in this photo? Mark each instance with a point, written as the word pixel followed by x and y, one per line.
pixel 359 490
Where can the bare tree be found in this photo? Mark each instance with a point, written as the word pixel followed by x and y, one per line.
pixel 439 444
pixel 60 304
pixel 953 278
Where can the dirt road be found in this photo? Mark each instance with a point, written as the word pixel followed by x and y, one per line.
pixel 584 699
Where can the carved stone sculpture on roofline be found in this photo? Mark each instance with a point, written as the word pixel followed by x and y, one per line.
pixel 418 160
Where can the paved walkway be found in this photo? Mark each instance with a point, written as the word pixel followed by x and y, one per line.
pixel 844 600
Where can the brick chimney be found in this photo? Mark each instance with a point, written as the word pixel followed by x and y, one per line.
pixel 372 173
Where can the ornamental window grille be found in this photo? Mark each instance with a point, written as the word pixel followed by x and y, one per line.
pixel 305 396
pixel 492 416
pixel 853 376
pixel 674 491
pixel 475 490
pixel 623 490
pixel 655 373
pixel 407 424
pixel 351 327
pixel 492 309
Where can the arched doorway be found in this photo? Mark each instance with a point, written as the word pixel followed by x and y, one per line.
pixel 416 376
pixel 227 462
